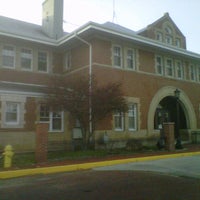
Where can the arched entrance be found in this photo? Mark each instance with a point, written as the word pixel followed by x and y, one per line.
pixel 164 100
pixel 166 111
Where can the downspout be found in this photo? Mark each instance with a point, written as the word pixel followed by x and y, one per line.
pixel 90 82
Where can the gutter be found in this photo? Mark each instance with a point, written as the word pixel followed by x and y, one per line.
pixel 92 25
pixel 51 42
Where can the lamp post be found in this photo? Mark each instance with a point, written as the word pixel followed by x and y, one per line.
pixel 178 138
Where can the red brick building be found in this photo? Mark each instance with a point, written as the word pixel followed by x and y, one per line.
pixel 151 64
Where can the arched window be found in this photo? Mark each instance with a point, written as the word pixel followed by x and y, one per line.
pixel 168 30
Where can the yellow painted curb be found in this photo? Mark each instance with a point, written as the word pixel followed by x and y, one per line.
pixel 86 166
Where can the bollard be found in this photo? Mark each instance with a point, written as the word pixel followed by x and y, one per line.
pixel 8 154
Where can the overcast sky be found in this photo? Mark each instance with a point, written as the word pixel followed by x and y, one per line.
pixel 133 14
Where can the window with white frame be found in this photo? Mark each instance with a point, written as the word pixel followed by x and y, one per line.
pixel 132 117
pixel 119 121
pixel 159 36
pixel 178 42
pixel 67 60
pixel 42 61
pixel 44 113
pixel 159 65
pixel 55 118
pixel 130 59
pixel 12 113
pixel 179 69
pixel 169 66
pixel 117 56
pixel 168 30
pixel 168 39
pixel 193 72
pixel 26 59
pixel 8 56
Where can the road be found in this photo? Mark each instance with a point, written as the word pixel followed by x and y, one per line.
pixel 188 166
pixel 158 180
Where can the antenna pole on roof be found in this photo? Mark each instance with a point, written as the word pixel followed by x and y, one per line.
pixel 114 14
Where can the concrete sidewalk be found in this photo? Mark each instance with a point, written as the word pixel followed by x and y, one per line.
pixel 86 166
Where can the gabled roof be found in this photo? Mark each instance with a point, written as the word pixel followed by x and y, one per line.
pixel 116 27
pixel 19 29
pixel 31 32
pixel 163 18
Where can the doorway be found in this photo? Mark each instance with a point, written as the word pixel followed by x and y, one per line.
pixel 166 112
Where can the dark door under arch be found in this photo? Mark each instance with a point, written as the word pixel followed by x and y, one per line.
pixel 167 112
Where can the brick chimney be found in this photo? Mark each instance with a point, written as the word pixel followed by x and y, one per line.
pixel 52 18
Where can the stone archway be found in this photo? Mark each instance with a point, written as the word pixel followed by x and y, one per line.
pixel 186 105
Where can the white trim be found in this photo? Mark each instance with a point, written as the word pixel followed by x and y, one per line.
pixel 169 91
pixel 14 55
pixel 47 61
pixel 18 111
pixel 20 100
pixel 98 27
pixel 169 67
pixel 31 58
pixel 133 58
pixel 134 116
pixel 121 116
pixel 119 56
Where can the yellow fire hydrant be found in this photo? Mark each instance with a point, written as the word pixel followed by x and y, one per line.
pixel 8 154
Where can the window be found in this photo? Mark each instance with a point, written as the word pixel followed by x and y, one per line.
pixel 192 72
pixel 159 36
pixel 168 39
pixel 68 60
pixel 132 117
pixel 130 59
pixel 117 56
pixel 12 113
pixel 12 110
pixel 56 121
pixel 178 42
pixel 42 61
pixel 168 35
pixel 118 121
pixel 179 69
pixel 198 73
pixel 26 59
pixel 159 65
pixel 169 67
pixel 55 118
pixel 44 113
pixel 168 30
pixel 8 56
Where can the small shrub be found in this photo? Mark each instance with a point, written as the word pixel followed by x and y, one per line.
pixel 134 144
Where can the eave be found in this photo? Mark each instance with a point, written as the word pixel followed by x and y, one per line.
pixel 91 26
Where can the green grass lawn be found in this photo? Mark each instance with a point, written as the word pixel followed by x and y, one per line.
pixel 26 160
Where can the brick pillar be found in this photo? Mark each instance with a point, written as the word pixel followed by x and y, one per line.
pixel 41 142
pixel 168 129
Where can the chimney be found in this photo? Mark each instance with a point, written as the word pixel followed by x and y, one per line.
pixel 52 18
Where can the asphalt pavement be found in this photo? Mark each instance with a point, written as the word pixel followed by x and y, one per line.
pixel 187 166
pixel 90 165
pixel 101 185
pixel 156 178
